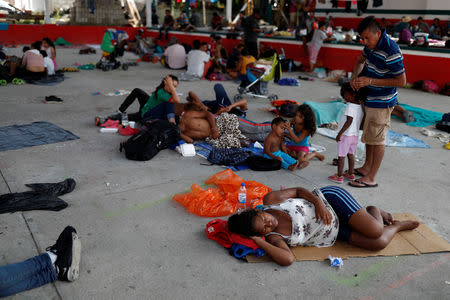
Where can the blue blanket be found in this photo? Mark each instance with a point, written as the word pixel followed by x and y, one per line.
pixel 393 139
pixel 203 149
pixel 37 133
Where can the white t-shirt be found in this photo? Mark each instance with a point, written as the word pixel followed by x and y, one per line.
pixel 355 111
pixel 196 62
pixel 48 63
pixel 176 56
pixel 318 37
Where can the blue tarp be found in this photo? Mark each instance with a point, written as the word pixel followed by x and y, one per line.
pixel 393 139
pixel 34 134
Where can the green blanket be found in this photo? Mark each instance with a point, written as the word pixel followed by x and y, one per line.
pixel 327 112
pixel 332 112
pixel 423 117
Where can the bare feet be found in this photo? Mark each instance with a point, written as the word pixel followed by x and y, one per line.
pixel 387 217
pixel 320 156
pixel 406 225
pixel 293 167
pixel 303 164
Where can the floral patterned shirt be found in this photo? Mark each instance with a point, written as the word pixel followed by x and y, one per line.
pixel 306 229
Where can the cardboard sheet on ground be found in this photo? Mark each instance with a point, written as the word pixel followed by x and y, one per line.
pixel 418 241
pixel 34 134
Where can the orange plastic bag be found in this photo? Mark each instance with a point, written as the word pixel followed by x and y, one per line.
pixel 221 200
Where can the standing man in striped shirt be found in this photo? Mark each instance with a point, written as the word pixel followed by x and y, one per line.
pixel 380 69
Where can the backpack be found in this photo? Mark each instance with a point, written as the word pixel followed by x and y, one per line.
pixel 153 137
pixel 430 86
pixel 259 163
pixel 288 110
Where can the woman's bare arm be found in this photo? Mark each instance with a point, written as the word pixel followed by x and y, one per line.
pixel 276 248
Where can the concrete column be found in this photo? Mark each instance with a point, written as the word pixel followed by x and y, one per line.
pixel 148 12
pixel 46 12
pixel 229 6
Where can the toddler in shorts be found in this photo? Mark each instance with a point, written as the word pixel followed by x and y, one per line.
pixel 348 132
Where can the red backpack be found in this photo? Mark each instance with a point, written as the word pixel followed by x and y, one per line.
pixel 217 230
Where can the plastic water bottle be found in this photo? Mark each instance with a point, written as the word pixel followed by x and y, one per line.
pixel 124 120
pixel 242 198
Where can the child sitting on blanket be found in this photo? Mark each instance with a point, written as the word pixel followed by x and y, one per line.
pixel 301 128
pixel 275 148
pixel 348 131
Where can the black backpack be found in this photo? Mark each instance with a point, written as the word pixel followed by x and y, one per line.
pixel 259 163
pixel 153 137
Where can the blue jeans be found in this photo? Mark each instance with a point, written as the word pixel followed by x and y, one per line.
pixel 161 111
pixel 222 99
pixel 26 275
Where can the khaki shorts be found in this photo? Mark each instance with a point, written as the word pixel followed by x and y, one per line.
pixel 376 125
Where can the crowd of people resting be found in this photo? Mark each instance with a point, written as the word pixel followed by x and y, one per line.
pixel 38 61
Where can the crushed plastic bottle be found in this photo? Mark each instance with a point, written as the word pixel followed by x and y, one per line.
pixel 336 261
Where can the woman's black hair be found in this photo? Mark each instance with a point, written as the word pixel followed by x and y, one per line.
pixel 242 223
pixel 49 42
pixel 161 85
pixel 309 122
pixel 43 53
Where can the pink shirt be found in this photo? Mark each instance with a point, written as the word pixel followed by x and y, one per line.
pixel 176 56
pixel 32 58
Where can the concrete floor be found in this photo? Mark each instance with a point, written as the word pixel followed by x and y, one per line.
pixel 139 244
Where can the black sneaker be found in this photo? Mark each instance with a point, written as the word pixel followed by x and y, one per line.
pixel 68 250
pixel 116 116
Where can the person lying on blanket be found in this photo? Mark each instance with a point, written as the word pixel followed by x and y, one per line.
pixel 298 217
pixel 196 124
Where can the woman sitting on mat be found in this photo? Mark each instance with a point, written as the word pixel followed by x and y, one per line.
pixel 297 217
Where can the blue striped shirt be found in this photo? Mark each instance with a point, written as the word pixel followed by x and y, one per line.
pixel 385 61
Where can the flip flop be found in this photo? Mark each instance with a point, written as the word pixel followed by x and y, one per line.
pixel 364 185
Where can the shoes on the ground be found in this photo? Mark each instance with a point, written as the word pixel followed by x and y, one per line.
pixel 336 178
pixel 110 124
pixel 348 176
pixel 99 121
pixel 117 116
pixel 52 98
pixel 67 249
pixel 128 130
